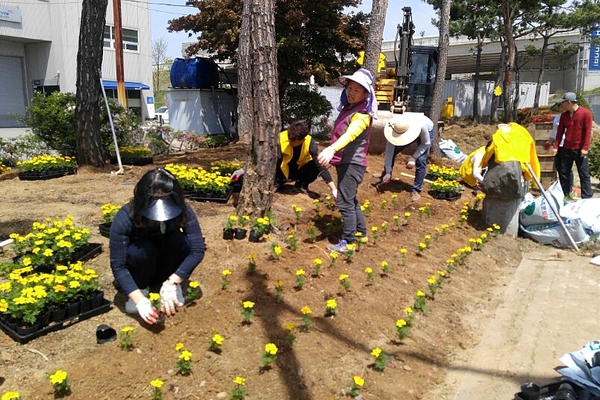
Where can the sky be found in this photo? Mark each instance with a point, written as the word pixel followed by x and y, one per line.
pixel 162 12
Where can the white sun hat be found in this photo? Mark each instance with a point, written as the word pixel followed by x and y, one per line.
pixel 403 129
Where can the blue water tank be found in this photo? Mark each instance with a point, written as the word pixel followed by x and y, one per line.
pixel 194 73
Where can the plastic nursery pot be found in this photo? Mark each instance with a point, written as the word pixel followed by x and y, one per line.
pixel 240 233
pixel 254 236
pixel 228 234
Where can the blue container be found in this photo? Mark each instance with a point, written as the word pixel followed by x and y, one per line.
pixel 194 73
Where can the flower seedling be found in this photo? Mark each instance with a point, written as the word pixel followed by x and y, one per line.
pixel 297 212
pixel 383 205
pixel 434 285
pixel 331 308
pixel 306 321
pixel 184 362
pixel 231 222
pixel 420 302
pixel 396 221
pixel 402 329
pixel 404 255
pixel 409 316
pixel 375 233
pixel 385 267
pixel 215 343
pixel 384 227
pixel 333 256
pixel 269 355
pixel 422 247
pixel 344 281
pixel 380 359
pixel 275 250
pixel 317 205
pixel 407 217
pixel 278 290
pixel 193 291
pixel 300 281
pixel 366 207
pixel 316 272
pixel 394 199
pixel 224 281
pixel 60 383
pixel 357 383
pixel 155 300
pixel 311 229
pixel 329 202
pixel 252 263
pixel 238 392
pixel 126 336
pixel 247 311
pixel 290 337
pixel 292 241
pixel 370 275
pixel 156 392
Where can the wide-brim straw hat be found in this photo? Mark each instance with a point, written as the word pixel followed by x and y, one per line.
pixel 403 129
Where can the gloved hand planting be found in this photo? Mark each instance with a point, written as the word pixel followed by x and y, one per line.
pixel 146 311
pixel 237 174
pixel 168 298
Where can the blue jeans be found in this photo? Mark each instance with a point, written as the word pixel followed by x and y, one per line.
pixel 392 151
pixel 353 219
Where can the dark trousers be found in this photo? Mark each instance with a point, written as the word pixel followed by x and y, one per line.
pixel 152 260
pixel 353 219
pixel 304 175
pixel 564 165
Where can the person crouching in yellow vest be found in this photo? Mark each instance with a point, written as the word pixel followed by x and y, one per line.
pixel 471 169
pixel 297 160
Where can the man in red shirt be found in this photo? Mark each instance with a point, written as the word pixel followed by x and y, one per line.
pixel 575 127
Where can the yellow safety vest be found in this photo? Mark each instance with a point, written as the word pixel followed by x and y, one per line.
pixel 466 169
pixel 287 152
pixel 513 142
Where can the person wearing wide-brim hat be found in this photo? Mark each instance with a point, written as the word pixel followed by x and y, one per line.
pixel 348 151
pixel 155 242
pixel 401 131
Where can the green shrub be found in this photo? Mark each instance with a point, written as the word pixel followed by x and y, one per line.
pixel 212 141
pixel 304 105
pixel 51 119
pixel 594 157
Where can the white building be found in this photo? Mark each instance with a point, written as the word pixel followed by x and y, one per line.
pixel 38 52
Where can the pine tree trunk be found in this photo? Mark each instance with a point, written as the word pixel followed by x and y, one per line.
pixel 376 26
pixel 259 116
pixel 438 89
pixel 89 95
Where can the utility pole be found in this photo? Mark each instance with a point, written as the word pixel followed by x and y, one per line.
pixel 121 94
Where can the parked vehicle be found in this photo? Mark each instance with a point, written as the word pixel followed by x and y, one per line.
pixel 162 115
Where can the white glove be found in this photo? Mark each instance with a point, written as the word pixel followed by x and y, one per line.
pixel 237 174
pixel 147 311
pixel 410 163
pixel 334 194
pixel 326 155
pixel 386 178
pixel 168 298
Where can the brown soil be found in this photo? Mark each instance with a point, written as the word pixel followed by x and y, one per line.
pixel 321 362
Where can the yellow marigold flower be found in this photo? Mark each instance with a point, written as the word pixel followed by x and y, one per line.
pixel 376 352
pixel 358 381
pixel 369 270
pixel 498 91
pixel 317 262
pixel 3 305
pixel 400 323
pixel 248 304
pixel 431 280
pixel 331 303
pixel 374 229
pixel 343 277
pixel 153 297
pixel 11 396
pixel 384 264
pixel 126 329
pixel 178 346
pixel 408 310
pixel 420 293
pixel 306 310
pixel 185 355
pixel 226 272
pixel 271 348
pixel 300 272
pixel 58 377
pixel 290 326
pixel 333 255
pixel 239 381
pixel 157 383
pixel 193 284
pixel 218 339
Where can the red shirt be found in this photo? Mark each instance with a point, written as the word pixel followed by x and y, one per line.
pixel 576 128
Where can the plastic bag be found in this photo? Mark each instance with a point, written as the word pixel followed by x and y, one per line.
pixel 588 210
pixel 539 211
pixel 450 150
pixel 554 234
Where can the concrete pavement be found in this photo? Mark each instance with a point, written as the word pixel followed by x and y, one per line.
pixel 549 308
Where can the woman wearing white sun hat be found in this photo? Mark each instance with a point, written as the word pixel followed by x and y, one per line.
pixel 401 131
pixel 348 151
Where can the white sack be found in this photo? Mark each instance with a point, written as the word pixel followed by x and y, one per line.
pixel 588 210
pixel 450 150
pixel 538 211
pixel 554 234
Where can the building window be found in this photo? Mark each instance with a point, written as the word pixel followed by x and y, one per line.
pixel 130 38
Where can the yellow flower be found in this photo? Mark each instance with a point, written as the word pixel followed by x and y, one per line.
pixel 306 310
pixel 218 339
pixel 3 305
pixel 408 310
pixel 271 349
pixel 431 280
pixel 403 251
pixel 157 383
pixel 343 277
pixel 226 272
pixel 178 346
pixel 185 355
pixel 497 91
pixel 300 272
pixel 368 270
pixel 239 381
pixel 384 264
pixel 331 303
pixel 358 381
pixel 420 293
pixel 317 262
pixel 58 377
pixel 400 323
pixel 126 329
pixel 11 396
pixel 248 304
pixel 376 352
pixel 193 284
